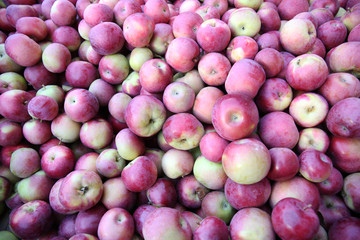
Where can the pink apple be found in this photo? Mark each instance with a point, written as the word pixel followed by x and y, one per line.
pixel 162 193
pixel 96 133
pixel 106 38
pixel 109 163
pixel 24 162
pixel 346 228
pixel 212 146
pixel 191 192
pixel 313 138
pixel 129 145
pixel 350 192
pixel 56 57
pixel 155 75
pixel 121 198
pixel 43 107
pixel 271 60
pixel 284 164
pixel 13 105
pixel 290 8
pixel 332 208
pixel 178 97
pixel 186 24
pixel 116 224
pixel 138 29
pixel 214 68
pixel 177 163
pixel 344 153
pixel 125 8
pixel 58 161
pixel 241 47
pixel 333 184
pixel 63 13
pixel 211 227
pixel 315 166
pixel 213 35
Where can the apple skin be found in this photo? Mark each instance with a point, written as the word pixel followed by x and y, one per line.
pixel 305 191
pixel 350 192
pixel 344 58
pixel 91 190
pixel 158 10
pixel 246 76
pixel 211 227
pixel 271 60
pixel 307 72
pixel 186 24
pixel 214 68
pixel 138 29
pixel 240 25
pixel 345 228
pixel 97 13
pixel 272 127
pixel 117 105
pixel 163 35
pixel 290 8
pixel 114 68
pixel 109 163
pixel 140 214
pixel 202 169
pixel 177 163
pixel 284 164
pixel 31 219
pixel 212 146
pixel 298 36
pixel 303 224
pixel 81 105
pixel 6 62
pixel 192 218
pixel 53 91
pixel 162 193
pixel 96 133
pixel 83 236
pixel 72 40
pixel 67 226
pixel 56 57
pixel 102 90
pixel 269 39
pixel 242 116
pixel 36 131
pixel 106 38
pixel 116 224
pixel 140 174
pixel 178 97
pixel 339 86
pixel 122 198
pixel 80 74
pixel 246 161
pixel 176 227
pixel 332 5
pixel 255 219
pixel 216 204
pixel 24 162
pixel 13 105
pixel 155 75
pixel 10 133
pixel 43 107
pixel 23 50
pixel 274 95
pixel 6 189
pixel 332 33
pixel 63 13
pixel 342 126
pixel 315 166
pixel 332 208
pixel 125 8
pixel 88 221
pixel 70 134
pixel 16 11
pixel 129 145
pixel 313 138
pixel 344 153
pixel 12 80
pixel 145 115
pixel 190 192
pixel 192 78
pixel 354 34
pixel 333 184
pixel 241 47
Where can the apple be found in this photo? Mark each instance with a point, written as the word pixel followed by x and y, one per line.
pixel 155 75
pixel 178 97
pixel 332 208
pixel 189 6
pixel 190 192
pixel 350 192
pixel 216 204
pixel 65 129
pixel 162 193
pixel 53 91
pixel 43 107
pixel 315 166
pixel 347 228
pixel 249 221
pixel 116 224
pixel 186 24
pixel 208 173
pixel 138 29
pixel 13 105
pixel 269 39
pixel 88 74
pixel 36 131
pixel 24 162
pixel 125 8
pixel 158 10
pixel 7 64
pixel 192 218
pixel 177 163
pixel 68 36
pixel 344 58
pixel 58 161
pixel 290 8
pixel 10 133
pixel 67 226
pixel 122 198
pixel 211 227
pixel 244 22
pixel 97 13
pixel 140 214
pixel 109 163
pixel 303 223
pixel 63 13
pixel 313 138
pixel 284 164
pixel 56 57
pixel 270 19
pixel 102 90
pixel 96 133
pixel 214 68
pixel 192 78
pixel 12 80
pixel 5 189
pixel 212 146
pixel 162 36
pixel 208 12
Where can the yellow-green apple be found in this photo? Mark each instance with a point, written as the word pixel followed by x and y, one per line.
pixel 145 115
pixel 177 163
pixel 56 57
pixel 140 174
pixel 162 193
pixel 284 164
pixel 332 208
pixel 241 47
pixel 10 133
pixel 162 36
pixel 117 105
pixel 176 227
pixel 269 39
pixel 183 131
pixel 241 116
pixel 97 13
pixel 244 22
pixel 140 215
pixel 214 68
pixel 7 64
pixel 24 162
pixel 109 163
pixel 80 190
pixel 339 86
pixel 350 192
pixel 216 204
pixel 298 36
pixel 116 224
pixel 190 192
pixel 83 236
pixel 309 109
pixel 178 97
pixel 247 195
pixel 293 219
pixel 313 138
pixel 274 95
pixel 65 129
pixel 332 33
pixel 184 61
pixel 114 68
pixel 102 90
pixel 138 29
pixel 272 128
pixel 186 24
pixel 43 107
pixel 88 221
pixel 125 8
pixel 208 173
pixel 333 184
pixel 315 166
pixel 58 161
pixel 249 221
pixel 80 74
pixel 211 227
pixel 346 228
pixel 192 78
pixel 63 13
pixel 271 60
pixel 344 117
pixel 246 76
pixel 296 187
pixel 139 56
pixel 213 35
pixel 344 153
pixel 12 80
pixel 106 38
pixel 53 91
pixel 204 103
pixel 345 58
pixel 122 197
pixel 212 146
pixel 13 105
pixel 155 75
pixel 7 235
pixel 158 10
pixel 246 3
pixel 96 133
pixel 129 145
pixel 31 219
pixel 81 105
pixel 68 36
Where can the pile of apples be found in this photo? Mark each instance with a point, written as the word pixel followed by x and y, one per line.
pixel 186 119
